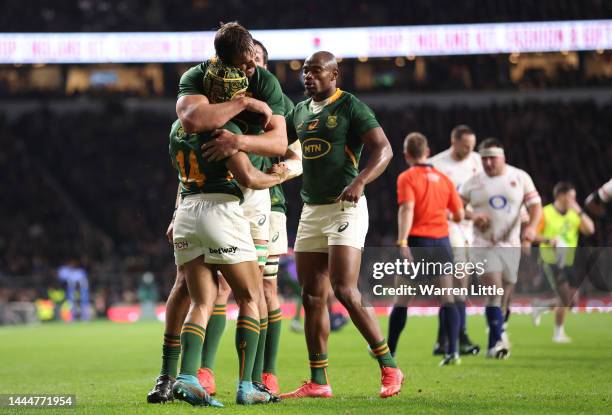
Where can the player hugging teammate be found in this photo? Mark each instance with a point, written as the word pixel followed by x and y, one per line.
pixel 205 103
pixel 346 125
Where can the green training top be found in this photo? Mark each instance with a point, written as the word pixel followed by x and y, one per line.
pixel 195 174
pixel 262 86
pixel 331 144
pixel 565 228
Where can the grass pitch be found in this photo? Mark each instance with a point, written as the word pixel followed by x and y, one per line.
pixel 110 367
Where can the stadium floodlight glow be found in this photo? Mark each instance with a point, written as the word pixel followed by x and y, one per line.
pixel 364 42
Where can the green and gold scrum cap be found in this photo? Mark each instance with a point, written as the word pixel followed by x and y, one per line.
pixel 223 82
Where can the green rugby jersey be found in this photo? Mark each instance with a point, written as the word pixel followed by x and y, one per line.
pixel 195 174
pixel 331 144
pixel 262 86
pixel 277 196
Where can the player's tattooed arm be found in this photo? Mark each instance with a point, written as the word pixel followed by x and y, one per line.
pixel 247 175
pixel 377 144
pixel 272 143
pixel 197 114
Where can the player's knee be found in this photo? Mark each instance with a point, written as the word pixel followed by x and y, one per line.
pixel 347 295
pixel 269 290
pixel 312 300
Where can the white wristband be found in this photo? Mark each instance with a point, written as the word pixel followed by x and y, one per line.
pixel 294 167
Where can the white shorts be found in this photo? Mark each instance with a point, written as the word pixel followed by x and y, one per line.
pixel 278 234
pixel 497 259
pixel 213 225
pixel 340 223
pixel 256 207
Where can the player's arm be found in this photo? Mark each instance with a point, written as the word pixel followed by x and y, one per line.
pixel 377 144
pixel 247 175
pixel 405 216
pixel 533 203
pixel 596 202
pixel 197 114
pixel 405 210
pixel 455 204
pixel 293 160
pixel 539 230
pixel 535 215
pixel 587 227
pixel 595 205
pixel 272 143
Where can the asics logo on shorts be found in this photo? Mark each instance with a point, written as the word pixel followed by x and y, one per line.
pixel 343 226
pixel 261 220
pixel 178 245
pixel 275 237
pixel 220 251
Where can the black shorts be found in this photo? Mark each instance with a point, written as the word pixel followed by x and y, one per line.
pixel 432 250
pixel 558 275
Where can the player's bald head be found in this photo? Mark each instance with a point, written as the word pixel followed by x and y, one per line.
pixel 323 59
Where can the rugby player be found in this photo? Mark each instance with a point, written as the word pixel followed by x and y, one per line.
pixel 265 362
pixel 496 196
pixel 558 232
pixel 264 108
pixel 333 126
pixel 210 232
pixel 459 163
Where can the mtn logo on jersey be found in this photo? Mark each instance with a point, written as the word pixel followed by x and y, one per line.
pixel 313 148
pixel 178 245
pixel 343 226
pixel 221 251
pixel 261 220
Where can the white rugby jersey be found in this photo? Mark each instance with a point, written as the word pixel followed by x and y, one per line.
pixel 605 192
pixel 501 198
pixel 460 234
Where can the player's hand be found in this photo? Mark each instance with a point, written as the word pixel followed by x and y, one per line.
pixel 529 234
pixel 255 105
pixel 526 248
pixel 281 170
pixel 225 144
pixel 170 231
pixel 481 221
pixel 575 206
pixel 352 192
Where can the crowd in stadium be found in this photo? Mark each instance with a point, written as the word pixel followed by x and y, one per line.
pixel 158 15
pixel 111 208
